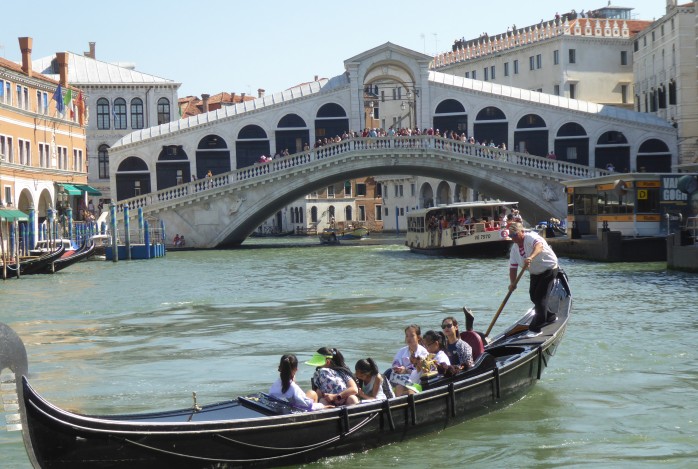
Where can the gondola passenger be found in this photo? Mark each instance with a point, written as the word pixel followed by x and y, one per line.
pixel 459 352
pixel 370 380
pixel 285 388
pixel 405 375
pixel 333 382
pixel 435 343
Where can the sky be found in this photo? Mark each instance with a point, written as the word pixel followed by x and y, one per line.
pixel 210 46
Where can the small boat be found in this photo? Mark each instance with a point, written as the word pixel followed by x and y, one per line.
pixel 334 235
pixel 271 234
pixel 44 246
pixel 33 265
pixel 259 431
pixel 354 233
pixel 85 252
pixel 467 229
pixel 329 236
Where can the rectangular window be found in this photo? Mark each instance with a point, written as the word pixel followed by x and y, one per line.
pixel 492 72
pixel 8 195
pixel 44 155
pixel 387 211
pixel 362 212
pixel 556 90
pixel 397 191
pixel 532 63
pixel 402 212
pixel 516 67
pixel 506 69
pixel 8 94
pixel 624 57
pixel 556 57
pixel 573 56
pixel 62 157
pixel 487 75
pixel 662 30
pixel 6 150
pixel 330 192
pixel 467 74
pixel 474 75
pixel 361 190
pixel 77 160
pixel 19 96
pixel 624 94
pixel 2 91
pixel 26 98
pixel 413 190
pixel 379 213
pixel 539 61
pixel 571 154
pixel 400 186
pixel 653 36
pixel 573 91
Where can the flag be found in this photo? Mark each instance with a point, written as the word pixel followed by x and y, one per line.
pixel 58 97
pixel 81 109
pixel 68 97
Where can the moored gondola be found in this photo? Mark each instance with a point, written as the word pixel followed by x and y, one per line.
pixel 258 431
pixel 33 265
pixel 85 252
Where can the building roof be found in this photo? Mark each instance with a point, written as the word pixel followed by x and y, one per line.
pixel 84 70
pixel 193 105
pixel 15 67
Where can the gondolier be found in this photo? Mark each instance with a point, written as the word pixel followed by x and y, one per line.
pixel 532 251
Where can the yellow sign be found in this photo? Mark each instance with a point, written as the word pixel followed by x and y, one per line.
pixel 642 194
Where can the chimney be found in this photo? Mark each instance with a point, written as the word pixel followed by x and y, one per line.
pixel 242 97
pixel 232 97
pixel 316 78
pixel 25 45
pixel 260 92
pixel 204 98
pixel 62 59
pixel 91 53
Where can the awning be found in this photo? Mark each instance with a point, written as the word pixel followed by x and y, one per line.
pixel 89 189
pixel 71 189
pixel 9 214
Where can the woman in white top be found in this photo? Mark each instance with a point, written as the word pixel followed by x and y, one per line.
pixel 285 388
pixel 404 374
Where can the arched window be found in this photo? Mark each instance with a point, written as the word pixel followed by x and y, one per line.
pixel 347 213
pixel 103 161
pixel 313 214
pixel 136 113
pixel 103 117
pixel 120 114
pixel 163 111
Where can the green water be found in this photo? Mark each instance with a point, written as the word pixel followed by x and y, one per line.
pixel 142 335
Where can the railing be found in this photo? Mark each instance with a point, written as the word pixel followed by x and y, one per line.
pixel 422 143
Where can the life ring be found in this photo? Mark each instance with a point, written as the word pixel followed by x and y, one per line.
pixel 504 233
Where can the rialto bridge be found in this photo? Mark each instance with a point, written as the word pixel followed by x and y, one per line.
pixel 388 86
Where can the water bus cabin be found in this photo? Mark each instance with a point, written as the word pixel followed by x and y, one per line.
pixel 467 229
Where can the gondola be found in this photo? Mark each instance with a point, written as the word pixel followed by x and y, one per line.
pixel 85 252
pixel 34 265
pixel 259 431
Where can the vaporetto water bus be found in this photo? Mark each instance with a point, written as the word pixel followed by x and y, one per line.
pixel 467 229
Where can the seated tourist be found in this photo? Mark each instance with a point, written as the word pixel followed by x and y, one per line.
pixel 370 380
pixel 471 337
pixel 459 352
pixel 333 383
pixel 435 343
pixel 286 389
pixel 405 375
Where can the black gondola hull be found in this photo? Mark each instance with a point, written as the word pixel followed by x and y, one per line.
pixel 249 431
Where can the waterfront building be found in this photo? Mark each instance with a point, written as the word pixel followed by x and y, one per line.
pixel 579 56
pixel 120 100
pixel 42 140
pixel 665 82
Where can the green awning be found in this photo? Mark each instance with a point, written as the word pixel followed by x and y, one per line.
pixel 9 214
pixel 71 189
pixel 89 189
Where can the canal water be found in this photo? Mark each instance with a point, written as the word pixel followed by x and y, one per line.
pixel 143 335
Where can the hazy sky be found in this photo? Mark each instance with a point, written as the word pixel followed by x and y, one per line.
pixel 227 45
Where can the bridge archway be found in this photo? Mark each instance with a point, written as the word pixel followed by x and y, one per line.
pixel 531 135
pixel 172 167
pixel 491 125
pixel 212 154
pixel 612 147
pixel 331 120
pixel 132 178
pixel 292 134
pixel 450 114
pixel 252 143
pixel 572 144
pixel 654 157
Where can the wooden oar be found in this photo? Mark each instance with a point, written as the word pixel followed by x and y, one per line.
pixel 506 298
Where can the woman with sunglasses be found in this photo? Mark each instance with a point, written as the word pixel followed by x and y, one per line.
pixel 458 351
pixel 333 382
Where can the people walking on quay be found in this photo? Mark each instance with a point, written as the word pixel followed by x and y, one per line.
pixel 532 251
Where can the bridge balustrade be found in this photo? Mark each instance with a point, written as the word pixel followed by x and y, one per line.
pixel 422 143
